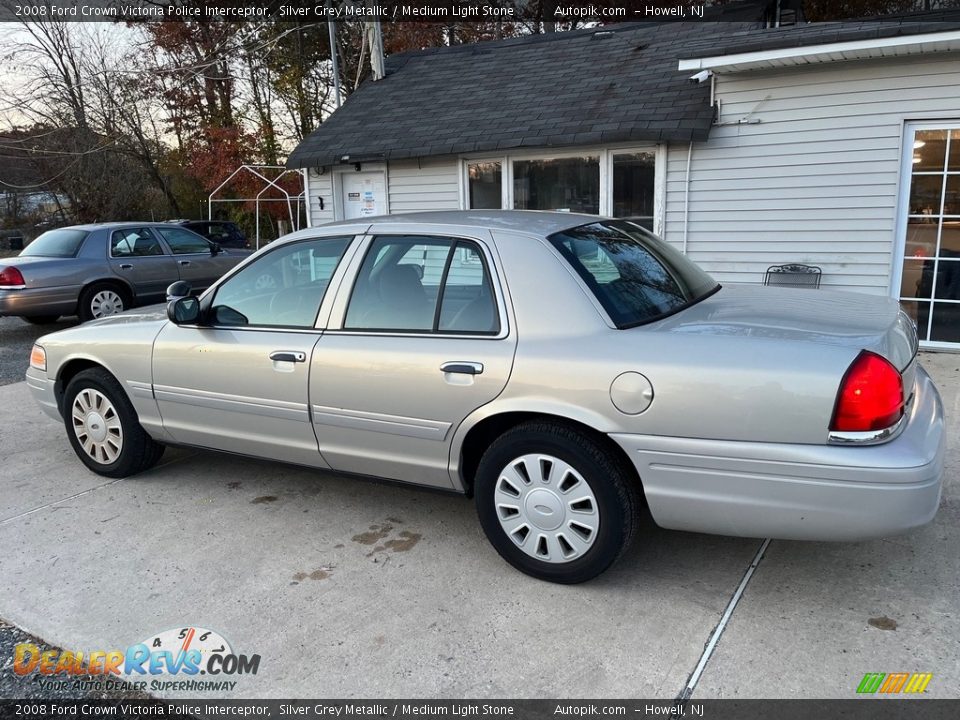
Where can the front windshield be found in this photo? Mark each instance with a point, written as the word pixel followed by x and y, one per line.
pixel 56 243
pixel 635 275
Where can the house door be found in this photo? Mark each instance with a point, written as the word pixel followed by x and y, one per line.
pixel 929 282
pixel 364 194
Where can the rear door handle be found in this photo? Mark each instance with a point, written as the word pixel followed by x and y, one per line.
pixel 184 262
pixel 126 266
pixel 464 367
pixel 288 356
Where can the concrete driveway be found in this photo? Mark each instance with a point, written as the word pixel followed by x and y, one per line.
pixel 353 589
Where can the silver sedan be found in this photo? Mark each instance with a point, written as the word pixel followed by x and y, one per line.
pixel 98 270
pixel 565 370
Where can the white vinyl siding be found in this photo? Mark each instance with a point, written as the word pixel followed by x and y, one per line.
pixel 320 187
pixel 422 185
pixel 812 175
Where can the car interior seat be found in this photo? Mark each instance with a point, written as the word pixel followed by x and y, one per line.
pixel 403 301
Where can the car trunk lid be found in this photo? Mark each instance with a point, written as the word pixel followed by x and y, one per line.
pixel 845 319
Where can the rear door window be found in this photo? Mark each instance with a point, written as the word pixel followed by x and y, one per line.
pixel 423 285
pixel 134 242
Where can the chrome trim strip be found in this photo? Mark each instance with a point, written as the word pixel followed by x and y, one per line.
pixel 871 437
pixel 140 389
pixel 297 412
pixel 380 423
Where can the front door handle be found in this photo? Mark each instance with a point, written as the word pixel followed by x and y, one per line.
pixel 288 356
pixel 464 367
pixel 184 262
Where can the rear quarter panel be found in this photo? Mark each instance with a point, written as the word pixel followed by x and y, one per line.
pixel 705 386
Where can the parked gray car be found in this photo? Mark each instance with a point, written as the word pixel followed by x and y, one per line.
pixel 562 369
pixel 98 270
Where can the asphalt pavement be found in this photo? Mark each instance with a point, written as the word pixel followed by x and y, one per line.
pixel 16 338
pixel 353 589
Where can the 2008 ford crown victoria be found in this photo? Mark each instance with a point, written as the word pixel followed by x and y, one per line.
pixel 562 369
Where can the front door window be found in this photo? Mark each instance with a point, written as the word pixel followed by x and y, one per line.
pixel 930 278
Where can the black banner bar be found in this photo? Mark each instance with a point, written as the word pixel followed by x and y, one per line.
pixel 863 708
pixel 445 11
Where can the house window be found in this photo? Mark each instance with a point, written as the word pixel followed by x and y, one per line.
pixel 571 184
pixel 930 273
pixel 486 185
pixel 633 187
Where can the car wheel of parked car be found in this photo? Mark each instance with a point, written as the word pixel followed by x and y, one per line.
pixel 103 427
pixel 101 300
pixel 41 319
pixel 555 503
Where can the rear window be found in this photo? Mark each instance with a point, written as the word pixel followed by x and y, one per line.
pixel 635 276
pixel 56 243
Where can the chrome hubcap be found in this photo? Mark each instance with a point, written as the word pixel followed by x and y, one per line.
pixel 106 302
pixel 97 426
pixel 546 508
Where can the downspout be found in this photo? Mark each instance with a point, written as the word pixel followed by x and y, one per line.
pixel 306 196
pixel 686 199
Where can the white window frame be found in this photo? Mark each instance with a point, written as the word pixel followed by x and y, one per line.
pixel 910 128
pixel 605 155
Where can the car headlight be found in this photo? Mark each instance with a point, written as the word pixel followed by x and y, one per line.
pixel 38 358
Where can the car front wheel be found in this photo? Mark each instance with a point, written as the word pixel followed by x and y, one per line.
pixel 555 502
pixel 103 426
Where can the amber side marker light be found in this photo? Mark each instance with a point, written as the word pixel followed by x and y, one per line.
pixel 870 397
pixel 38 358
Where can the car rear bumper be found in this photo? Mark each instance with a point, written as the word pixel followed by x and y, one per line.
pixel 800 492
pixel 38 301
pixel 42 389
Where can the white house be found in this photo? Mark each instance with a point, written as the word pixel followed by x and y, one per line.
pixel 835 145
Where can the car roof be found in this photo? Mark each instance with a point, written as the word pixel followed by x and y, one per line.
pixel 540 222
pixel 114 225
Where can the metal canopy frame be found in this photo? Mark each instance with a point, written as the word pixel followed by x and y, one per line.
pixel 293 202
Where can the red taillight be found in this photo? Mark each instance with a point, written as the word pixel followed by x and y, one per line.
pixel 870 397
pixel 10 276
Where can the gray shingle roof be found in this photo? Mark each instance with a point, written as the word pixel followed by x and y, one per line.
pixel 611 84
pixel 603 85
pixel 757 39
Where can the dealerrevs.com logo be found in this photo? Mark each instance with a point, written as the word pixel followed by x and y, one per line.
pixel 183 659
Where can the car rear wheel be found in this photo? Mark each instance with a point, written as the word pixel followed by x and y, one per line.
pixel 555 502
pixel 102 300
pixel 103 426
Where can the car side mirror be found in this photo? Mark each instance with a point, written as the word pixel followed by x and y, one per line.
pixel 178 289
pixel 215 248
pixel 184 310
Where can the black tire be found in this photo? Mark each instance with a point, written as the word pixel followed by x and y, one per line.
pixel 41 319
pixel 614 487
pixel 136 450
pixel 87 306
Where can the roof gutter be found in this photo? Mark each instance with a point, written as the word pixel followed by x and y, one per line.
pixel 829 52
